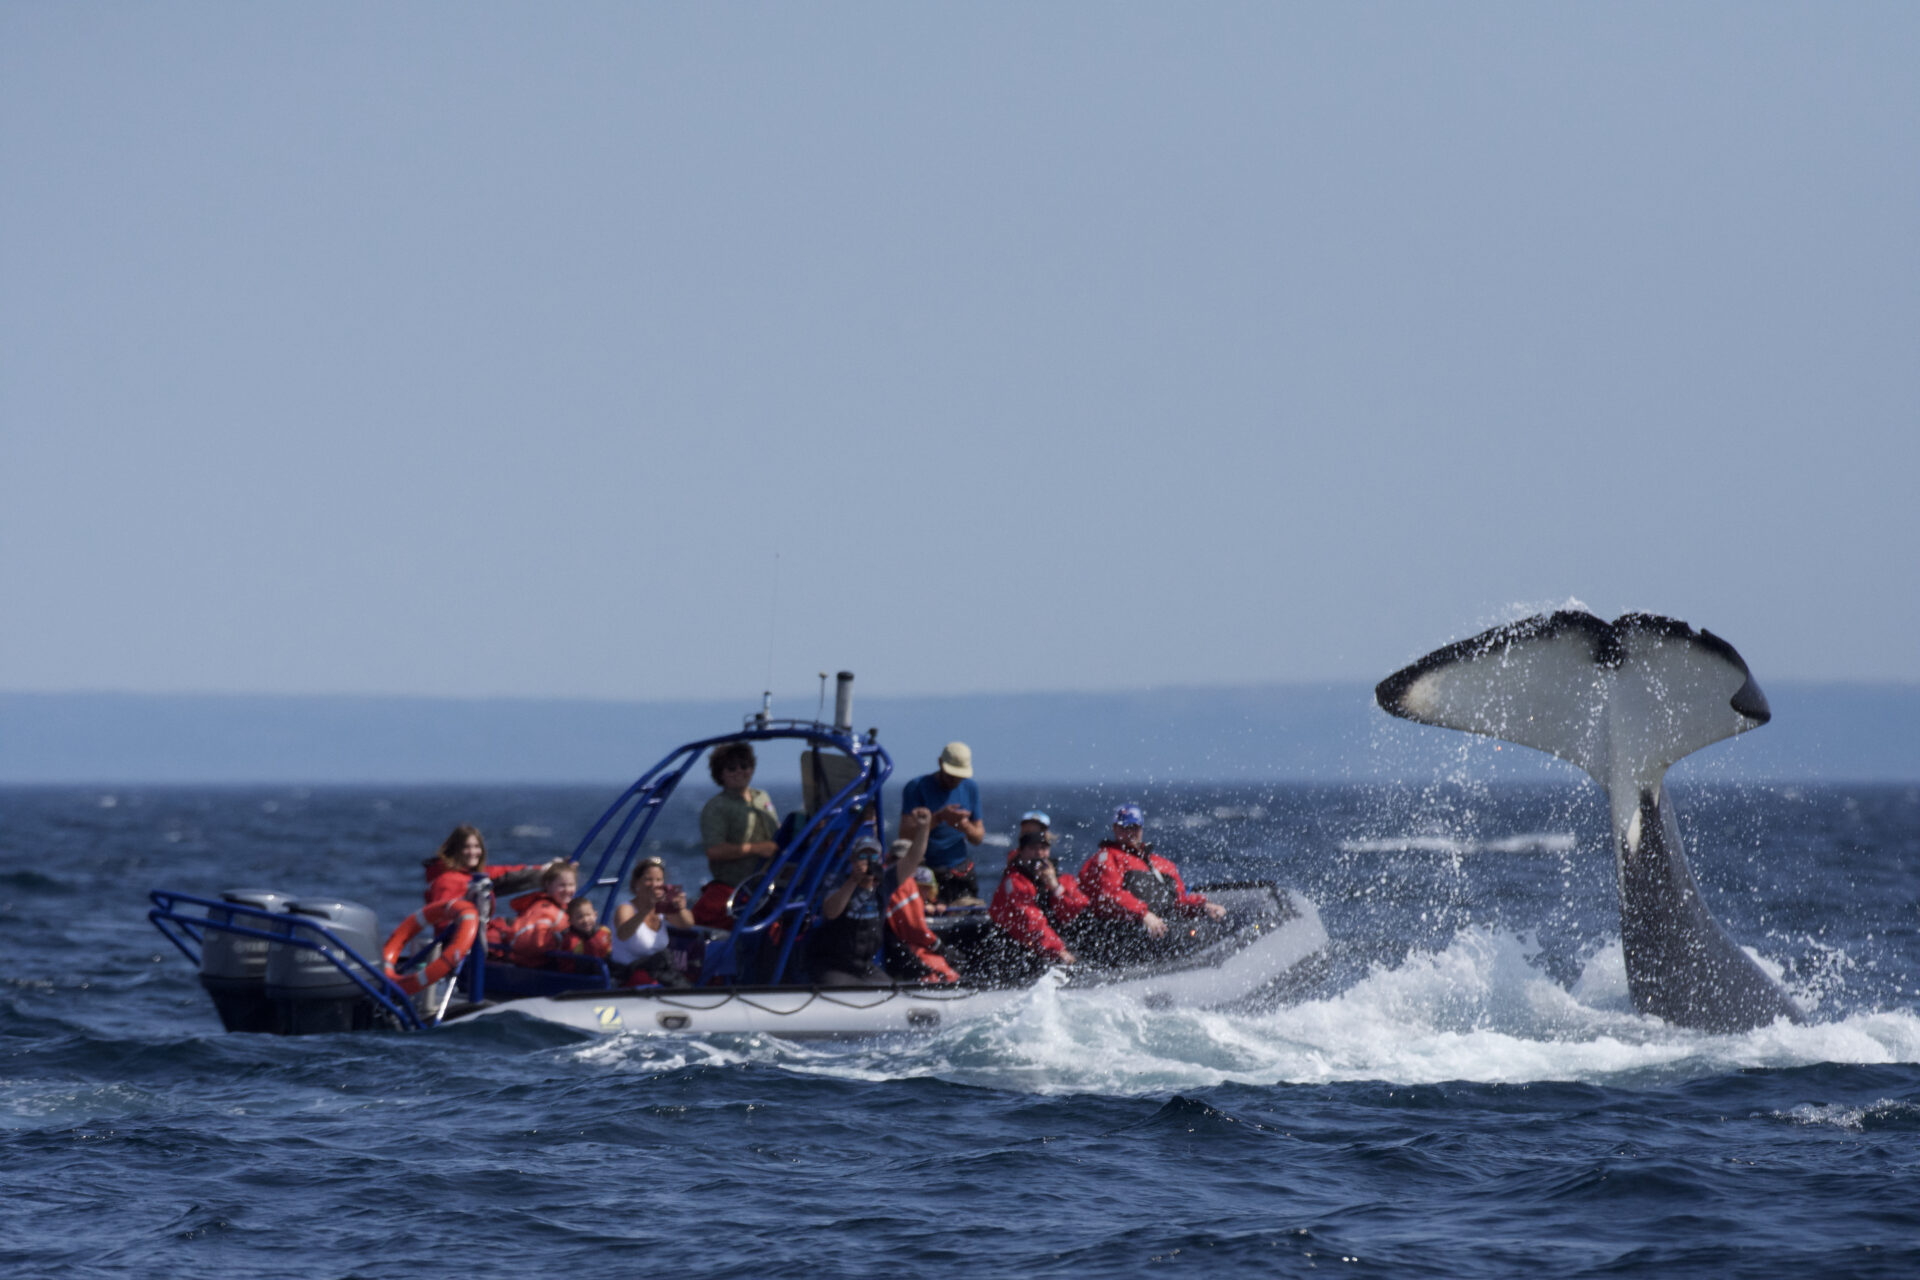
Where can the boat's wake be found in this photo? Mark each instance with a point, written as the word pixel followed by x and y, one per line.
pixel 1479 1010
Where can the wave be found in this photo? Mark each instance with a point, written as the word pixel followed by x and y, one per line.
pixel 1477 1011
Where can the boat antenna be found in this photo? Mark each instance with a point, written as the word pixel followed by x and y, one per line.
pixel 773 617
pixel 820 712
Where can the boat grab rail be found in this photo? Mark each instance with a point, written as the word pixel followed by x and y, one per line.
pixel 821 845
pixel 382 990
pixel 810 852
pixel 649 792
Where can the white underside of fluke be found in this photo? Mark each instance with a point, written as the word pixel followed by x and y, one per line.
pixel 1624 723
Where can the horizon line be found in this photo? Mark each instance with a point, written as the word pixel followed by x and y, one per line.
pixel 692 699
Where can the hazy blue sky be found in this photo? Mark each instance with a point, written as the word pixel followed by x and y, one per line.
pixel 476 349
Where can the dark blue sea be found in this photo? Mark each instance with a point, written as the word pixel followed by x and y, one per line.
pixel 1470 1094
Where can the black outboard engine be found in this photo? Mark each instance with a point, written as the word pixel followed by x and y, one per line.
pixel 308 994
pixel 233 968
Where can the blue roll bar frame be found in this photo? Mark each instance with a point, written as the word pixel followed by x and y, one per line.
pixel 791 885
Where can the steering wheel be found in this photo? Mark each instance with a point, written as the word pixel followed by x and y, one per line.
pixel 743 893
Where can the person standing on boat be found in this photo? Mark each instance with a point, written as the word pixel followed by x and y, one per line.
pixel 952 796
pixel 847 936
pixel 463 856
pixel 1034 901
pixel 1127 883
pixel 737 827
pixel 913 949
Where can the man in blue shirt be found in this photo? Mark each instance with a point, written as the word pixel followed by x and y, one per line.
pixel 953 798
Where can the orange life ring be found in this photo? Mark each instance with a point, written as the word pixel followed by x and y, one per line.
pixel 433 917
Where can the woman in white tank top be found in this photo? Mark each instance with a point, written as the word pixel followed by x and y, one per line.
pixel 640 923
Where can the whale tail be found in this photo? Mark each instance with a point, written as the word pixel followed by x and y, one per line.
pixel 1622 700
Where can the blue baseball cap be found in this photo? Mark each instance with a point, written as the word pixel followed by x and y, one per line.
pixel 1129 815
pixel 1037 815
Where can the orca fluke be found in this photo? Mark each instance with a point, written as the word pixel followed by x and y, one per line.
pixel 1623 700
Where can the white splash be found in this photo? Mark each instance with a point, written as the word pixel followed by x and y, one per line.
pixel 1885 1113
pixel 1454 846
pixel 1478 1010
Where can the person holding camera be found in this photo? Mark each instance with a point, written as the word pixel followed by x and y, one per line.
pixel 849 931
pixel 1034 901
pixel 640 924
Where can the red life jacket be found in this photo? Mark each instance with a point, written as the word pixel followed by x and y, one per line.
pixel 598 944
pixel 1114 877
pixel 1016 909
pixel 536 928
pixel 916 947
pixel 445 882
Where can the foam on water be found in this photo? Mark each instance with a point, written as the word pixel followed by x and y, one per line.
pixel 1478 1010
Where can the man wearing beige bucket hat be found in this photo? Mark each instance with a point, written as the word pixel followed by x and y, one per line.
pixel 952 796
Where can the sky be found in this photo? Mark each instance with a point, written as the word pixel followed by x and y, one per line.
pixel 634 351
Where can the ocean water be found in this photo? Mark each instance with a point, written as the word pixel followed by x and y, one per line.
pixel 1469 1094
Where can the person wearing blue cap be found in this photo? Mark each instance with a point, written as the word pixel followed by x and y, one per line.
pixel 1128 884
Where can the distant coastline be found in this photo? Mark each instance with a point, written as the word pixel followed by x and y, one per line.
pixel 1326 733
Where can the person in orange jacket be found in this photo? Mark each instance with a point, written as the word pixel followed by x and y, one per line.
pixel 462 856
pixel 913 950
pixel 1034 902
pixel 584 936
pixel 1127 882
pixel 539 918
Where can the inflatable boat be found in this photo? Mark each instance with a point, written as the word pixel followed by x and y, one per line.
pixel 294 965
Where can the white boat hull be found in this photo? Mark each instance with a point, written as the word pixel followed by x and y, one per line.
pixel 1257 972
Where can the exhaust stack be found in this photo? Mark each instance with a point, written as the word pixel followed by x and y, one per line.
pixel 843 702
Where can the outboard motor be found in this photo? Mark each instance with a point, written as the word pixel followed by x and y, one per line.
pixel 233 967
pixel 309 995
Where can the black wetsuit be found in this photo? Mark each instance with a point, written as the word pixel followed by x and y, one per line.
pixel 848 943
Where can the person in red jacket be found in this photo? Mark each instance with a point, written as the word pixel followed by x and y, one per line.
pixel 584 936
pixel 462 856
pixel 1127 882
pixel 540 918
pixel 913 951
pixel 1034 902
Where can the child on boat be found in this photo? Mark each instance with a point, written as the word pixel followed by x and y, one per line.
pixel 538 917
pixel 584 936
